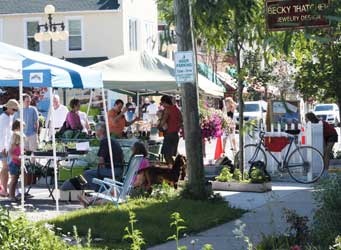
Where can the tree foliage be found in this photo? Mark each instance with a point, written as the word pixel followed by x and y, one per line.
pixel 319 61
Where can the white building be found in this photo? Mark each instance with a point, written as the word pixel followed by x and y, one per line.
pixel 98 29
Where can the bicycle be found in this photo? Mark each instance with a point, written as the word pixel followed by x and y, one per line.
pixel 304 164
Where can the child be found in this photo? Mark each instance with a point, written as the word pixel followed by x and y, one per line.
pixel 140 180
pixel 14 165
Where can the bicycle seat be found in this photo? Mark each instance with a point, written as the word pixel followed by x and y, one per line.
pixel 293 131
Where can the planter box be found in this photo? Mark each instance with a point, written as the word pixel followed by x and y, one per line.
pixel 70 195
pixel 335 163
pixel 211 171
pixel 242 187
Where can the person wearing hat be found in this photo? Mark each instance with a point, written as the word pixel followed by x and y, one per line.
pixel 6 119
pixel 32 124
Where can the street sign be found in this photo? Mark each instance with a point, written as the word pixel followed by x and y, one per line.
pixel 184 67
pixel 296 14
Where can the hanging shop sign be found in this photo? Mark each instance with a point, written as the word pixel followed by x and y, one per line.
pixel 296 14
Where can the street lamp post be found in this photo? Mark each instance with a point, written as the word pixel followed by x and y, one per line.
pixel 51 33
pixel 50 29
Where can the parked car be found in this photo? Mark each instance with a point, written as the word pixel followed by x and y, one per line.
pixel 329 112
pixel 253 110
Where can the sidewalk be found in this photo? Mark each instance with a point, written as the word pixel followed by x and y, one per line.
pixel 265 216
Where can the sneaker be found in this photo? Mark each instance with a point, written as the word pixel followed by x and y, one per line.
pixel 83 200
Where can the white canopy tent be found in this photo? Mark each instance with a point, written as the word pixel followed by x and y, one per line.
pixel 140 72
pixel 20 67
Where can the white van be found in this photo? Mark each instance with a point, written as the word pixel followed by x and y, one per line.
pixel 328 112
pixel 253 110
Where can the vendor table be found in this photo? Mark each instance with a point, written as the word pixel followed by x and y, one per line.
pixel 48 160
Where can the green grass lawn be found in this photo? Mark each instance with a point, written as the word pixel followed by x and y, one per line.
pixel 108 222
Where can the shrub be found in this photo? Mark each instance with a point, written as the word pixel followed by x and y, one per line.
pixel 17 234
pixel 257 176
pixel 327 219
pixel 225 175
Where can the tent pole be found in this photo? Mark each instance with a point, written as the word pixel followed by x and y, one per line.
pixel 22 155
pixel 137 104
pixel 108 136
pixel 48 123
pixel 90 102
pixel 52 92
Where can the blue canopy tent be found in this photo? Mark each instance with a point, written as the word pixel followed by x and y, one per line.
pixel 23 68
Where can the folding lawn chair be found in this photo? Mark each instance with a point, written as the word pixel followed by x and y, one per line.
pixel 108 187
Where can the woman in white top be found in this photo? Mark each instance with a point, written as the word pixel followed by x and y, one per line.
pixel 6 119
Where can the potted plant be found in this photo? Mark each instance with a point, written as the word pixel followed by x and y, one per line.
pixel 255 181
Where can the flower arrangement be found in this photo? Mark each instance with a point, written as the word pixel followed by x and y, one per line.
pixel 213 123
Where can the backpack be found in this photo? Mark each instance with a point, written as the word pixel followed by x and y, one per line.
pixel 258 173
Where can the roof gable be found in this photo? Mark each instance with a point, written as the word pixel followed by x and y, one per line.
pixel 37 6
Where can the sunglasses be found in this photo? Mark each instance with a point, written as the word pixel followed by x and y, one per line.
pixel 15 110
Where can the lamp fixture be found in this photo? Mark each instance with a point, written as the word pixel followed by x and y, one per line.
pixel 50 31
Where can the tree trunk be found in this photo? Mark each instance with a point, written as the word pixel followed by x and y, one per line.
pixel 196 181
pixel 240 97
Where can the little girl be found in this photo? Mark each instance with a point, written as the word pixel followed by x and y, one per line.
pixel 140 180
pixel 14 165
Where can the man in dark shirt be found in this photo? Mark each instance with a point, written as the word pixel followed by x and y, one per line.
pixel 104 166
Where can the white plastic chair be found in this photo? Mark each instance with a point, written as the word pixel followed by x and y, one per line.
pixel 109 187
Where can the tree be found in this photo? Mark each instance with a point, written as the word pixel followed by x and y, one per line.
pixel 196 182
pixel 319 73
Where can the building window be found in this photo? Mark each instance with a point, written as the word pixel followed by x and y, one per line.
pixel 31 29
pixel 149 38
pixel 75 35
pixel 133 34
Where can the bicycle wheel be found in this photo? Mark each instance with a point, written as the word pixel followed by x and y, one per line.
pixel 251 154
pixel 305 164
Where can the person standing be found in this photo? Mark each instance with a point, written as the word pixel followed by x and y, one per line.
pixel 230 108
pixel 117 120
pixel 330 136
pixel 6 119
pixel 15 163
pixel 172 119
pixel 104 165
pixel 131 106
pixel 72 119
pixel 152 109
pixel 59 112
pixel 144 109
pixel 31 124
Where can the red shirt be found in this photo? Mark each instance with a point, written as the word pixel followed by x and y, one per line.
pixel 328 130
pixel 174 119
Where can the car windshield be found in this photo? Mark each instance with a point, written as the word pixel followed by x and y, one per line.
pixel 323 107
pixel 251 107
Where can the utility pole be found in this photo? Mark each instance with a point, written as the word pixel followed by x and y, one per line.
pixel 193 139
